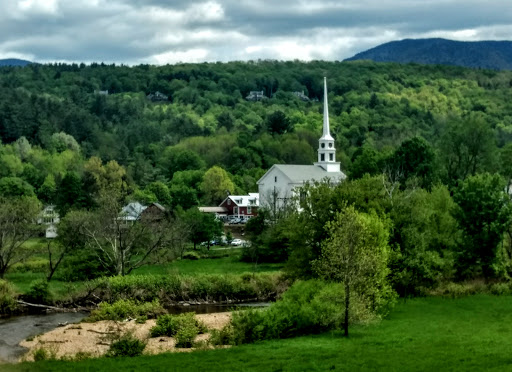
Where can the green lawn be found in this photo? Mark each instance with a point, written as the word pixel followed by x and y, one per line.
pixel 222 265
pixel 427 334
pixel 221 262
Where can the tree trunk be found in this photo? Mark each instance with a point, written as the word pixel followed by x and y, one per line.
pixel 347 304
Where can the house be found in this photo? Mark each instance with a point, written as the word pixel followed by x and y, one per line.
pixel 131 212
pixel 281 182
pixel 301 95
pixel 157 97
pixel 255 95
pixel 243 206
pixel 153 213
pixel 101 92
pixel 49 217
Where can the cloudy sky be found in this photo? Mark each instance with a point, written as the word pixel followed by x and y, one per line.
pixel 159 31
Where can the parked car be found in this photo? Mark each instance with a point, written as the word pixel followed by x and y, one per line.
pixel 235 220
pixel 237 242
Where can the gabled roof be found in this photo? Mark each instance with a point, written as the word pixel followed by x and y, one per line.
pixel 132 211
pixel 251 200
pixel 298 174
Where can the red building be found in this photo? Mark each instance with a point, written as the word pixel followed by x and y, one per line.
pixel 243 206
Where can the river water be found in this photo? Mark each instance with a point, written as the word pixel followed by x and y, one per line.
pixel 15 329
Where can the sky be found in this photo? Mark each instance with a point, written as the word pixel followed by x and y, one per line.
pixel 160 32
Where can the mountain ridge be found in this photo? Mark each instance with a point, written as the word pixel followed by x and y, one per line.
pixel 14 62
pixel 490 54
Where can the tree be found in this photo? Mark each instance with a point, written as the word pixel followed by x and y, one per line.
pixel 204 227
pixel 467 146
pixel 15 187
pixel 67 242
pixel 216 185
pixel 123 246
pixel 17 217
pixel 356 254
pixel 415 158
pixel 70 194
pixel 279 123
pixel 484 212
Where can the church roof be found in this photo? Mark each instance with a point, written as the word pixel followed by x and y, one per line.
pixel 303 173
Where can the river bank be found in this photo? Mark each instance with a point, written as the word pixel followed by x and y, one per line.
pixel 93 339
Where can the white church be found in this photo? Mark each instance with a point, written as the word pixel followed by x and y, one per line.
pixel 281 182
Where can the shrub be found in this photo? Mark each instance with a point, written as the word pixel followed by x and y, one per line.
pixel 191 256
pixel 123 309
pixel 170 325
pixel 500 289
pixel 8 302
pixel 175 288
pixel 39 293
pixel 307 307
pixel 42 353
pixel 224 336
pixel 35 266
pixel 185 336
pixel 126 346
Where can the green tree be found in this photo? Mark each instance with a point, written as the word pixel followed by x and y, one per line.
pixel 356 254
pixel 216 185
pixel 415 158
pixel 17 225
pixel 204 227
pixel 15 187
pixel 279 123
pixel 483 214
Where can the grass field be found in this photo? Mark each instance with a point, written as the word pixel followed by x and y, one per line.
pixel 221 262
pixel 427 334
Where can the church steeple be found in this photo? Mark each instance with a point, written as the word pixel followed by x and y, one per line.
pixel 326 150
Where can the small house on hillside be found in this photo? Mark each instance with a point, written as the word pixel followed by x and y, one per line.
pixel 157 97
pixel 243 206
pixel 49 217
pixel 255 95
pixel 301 95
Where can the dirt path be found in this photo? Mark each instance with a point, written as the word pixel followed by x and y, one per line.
pixel 94 338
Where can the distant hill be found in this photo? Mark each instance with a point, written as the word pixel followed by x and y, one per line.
pixel 495 55
pixel 14 62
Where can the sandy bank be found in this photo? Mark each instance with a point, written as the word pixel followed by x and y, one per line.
pixel 94 338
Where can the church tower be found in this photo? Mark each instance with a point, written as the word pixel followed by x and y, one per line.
pixel 326 150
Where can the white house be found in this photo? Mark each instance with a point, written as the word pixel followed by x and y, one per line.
pixel 281 181
pixel 49 217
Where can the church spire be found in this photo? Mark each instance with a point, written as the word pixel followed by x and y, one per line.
pixel 326 150
pixel 326 134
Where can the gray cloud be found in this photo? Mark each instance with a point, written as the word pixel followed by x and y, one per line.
pixel 158 31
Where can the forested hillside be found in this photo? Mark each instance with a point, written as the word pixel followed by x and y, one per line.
pixel 55 124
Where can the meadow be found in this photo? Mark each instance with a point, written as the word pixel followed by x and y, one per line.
pixel 423 334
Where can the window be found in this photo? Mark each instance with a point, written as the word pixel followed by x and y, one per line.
pixel 235 210
pixel 323 145
pixel 330 145
pixel 322 157
pixel 249 210
pixel 331 157
pixel 229 201
pixel 275 179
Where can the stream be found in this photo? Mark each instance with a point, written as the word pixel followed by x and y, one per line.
pixel 15 329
